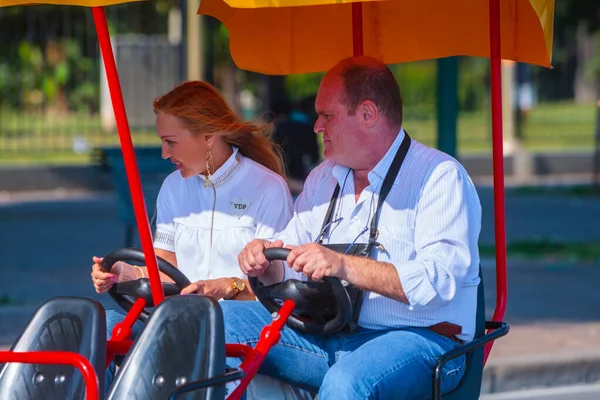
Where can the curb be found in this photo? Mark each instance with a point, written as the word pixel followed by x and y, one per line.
pixel 541 371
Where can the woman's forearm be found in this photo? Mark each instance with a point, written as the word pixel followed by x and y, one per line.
pixel 166 255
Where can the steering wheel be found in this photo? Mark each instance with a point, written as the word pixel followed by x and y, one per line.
pixel 123 292
pixel 322 307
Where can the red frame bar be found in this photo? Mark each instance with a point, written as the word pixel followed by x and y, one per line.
pixel 120 342
pixel 357 29
pixel 58 357
pixel 133 177
pixel 253 358
pixel 498 164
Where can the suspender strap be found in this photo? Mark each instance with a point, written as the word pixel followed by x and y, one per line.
pixel 388 182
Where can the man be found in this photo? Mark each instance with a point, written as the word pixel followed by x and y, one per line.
pixel 419 279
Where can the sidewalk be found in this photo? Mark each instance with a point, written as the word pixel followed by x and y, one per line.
pixel 552 307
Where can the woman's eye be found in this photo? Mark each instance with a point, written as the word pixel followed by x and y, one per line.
pixel 169 142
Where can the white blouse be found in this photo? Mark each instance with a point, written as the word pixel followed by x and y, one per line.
pixel 251 202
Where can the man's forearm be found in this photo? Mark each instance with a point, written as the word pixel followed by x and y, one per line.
pixel 374 276
pixel 273 274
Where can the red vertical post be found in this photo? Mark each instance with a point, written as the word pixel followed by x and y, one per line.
pixel 357 29
pixel 133 177
pixel 498 164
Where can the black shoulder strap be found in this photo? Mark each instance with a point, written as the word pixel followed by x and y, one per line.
pixel 329 213
pixel 388 182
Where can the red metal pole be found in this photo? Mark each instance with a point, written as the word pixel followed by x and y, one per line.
pixel 357 29
pixel 58 357
pixel 133 177
pixel 119 342
pixel 253 358
pixel 498 164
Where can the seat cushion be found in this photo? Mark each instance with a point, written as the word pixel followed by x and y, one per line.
pixel 182 342
pixel 61 324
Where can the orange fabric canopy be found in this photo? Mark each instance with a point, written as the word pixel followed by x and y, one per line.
pixel 289 36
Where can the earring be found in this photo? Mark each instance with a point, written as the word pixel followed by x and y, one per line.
pixel 210 166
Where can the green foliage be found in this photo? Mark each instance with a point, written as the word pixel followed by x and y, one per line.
pixel 473 84
pixel 41 76
pixel 299 86
pixel 418 86
pixel 570 13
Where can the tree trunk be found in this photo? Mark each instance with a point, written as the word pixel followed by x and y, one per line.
pixel 586 49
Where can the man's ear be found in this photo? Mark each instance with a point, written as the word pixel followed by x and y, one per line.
pixel 369 113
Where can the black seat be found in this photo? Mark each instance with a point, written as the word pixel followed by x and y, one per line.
pixel 61 324
pixel 469 387
pixel 183 341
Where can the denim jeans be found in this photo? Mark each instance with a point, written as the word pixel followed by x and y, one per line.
pixel 365 364
pixel 112 318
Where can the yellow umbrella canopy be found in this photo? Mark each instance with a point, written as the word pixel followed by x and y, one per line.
pixel 294 36
pixel 84 3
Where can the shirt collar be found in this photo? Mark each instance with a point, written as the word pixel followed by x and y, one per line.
pixel 377 174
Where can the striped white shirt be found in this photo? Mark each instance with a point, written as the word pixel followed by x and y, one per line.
pixel 429 226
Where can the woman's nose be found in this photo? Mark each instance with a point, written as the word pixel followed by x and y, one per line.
pixel 164 152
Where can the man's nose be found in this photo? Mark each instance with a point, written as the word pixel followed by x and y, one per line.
pixel 318 128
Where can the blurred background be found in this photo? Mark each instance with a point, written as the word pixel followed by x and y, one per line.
pixel 64 198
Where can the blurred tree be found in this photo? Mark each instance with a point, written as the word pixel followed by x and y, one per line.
pixel 49 56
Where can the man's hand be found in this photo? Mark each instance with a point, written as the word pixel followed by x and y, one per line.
pixel 252 258
pixel 316 261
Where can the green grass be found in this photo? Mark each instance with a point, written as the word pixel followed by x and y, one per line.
pixel 548 249
pixel 561 126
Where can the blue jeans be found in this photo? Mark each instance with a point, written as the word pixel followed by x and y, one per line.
pixel 112 318
pixel 365 364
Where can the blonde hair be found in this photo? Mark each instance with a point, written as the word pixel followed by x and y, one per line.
pixel 202 110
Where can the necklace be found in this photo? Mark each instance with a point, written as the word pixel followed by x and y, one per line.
pixel 219 182
pixel 212 217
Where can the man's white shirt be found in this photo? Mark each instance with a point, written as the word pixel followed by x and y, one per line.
pixel 428 227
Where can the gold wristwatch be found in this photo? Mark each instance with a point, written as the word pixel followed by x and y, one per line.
pixel 239 286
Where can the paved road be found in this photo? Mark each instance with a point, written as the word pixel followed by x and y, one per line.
pixel 560 218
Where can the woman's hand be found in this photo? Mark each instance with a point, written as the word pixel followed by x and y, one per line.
pixel 218 289
pixel 120 272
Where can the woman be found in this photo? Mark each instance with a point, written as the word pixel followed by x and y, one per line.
pixel 227 190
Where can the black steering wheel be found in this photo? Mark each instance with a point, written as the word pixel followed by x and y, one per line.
pixel 322 307
pixel 123 292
